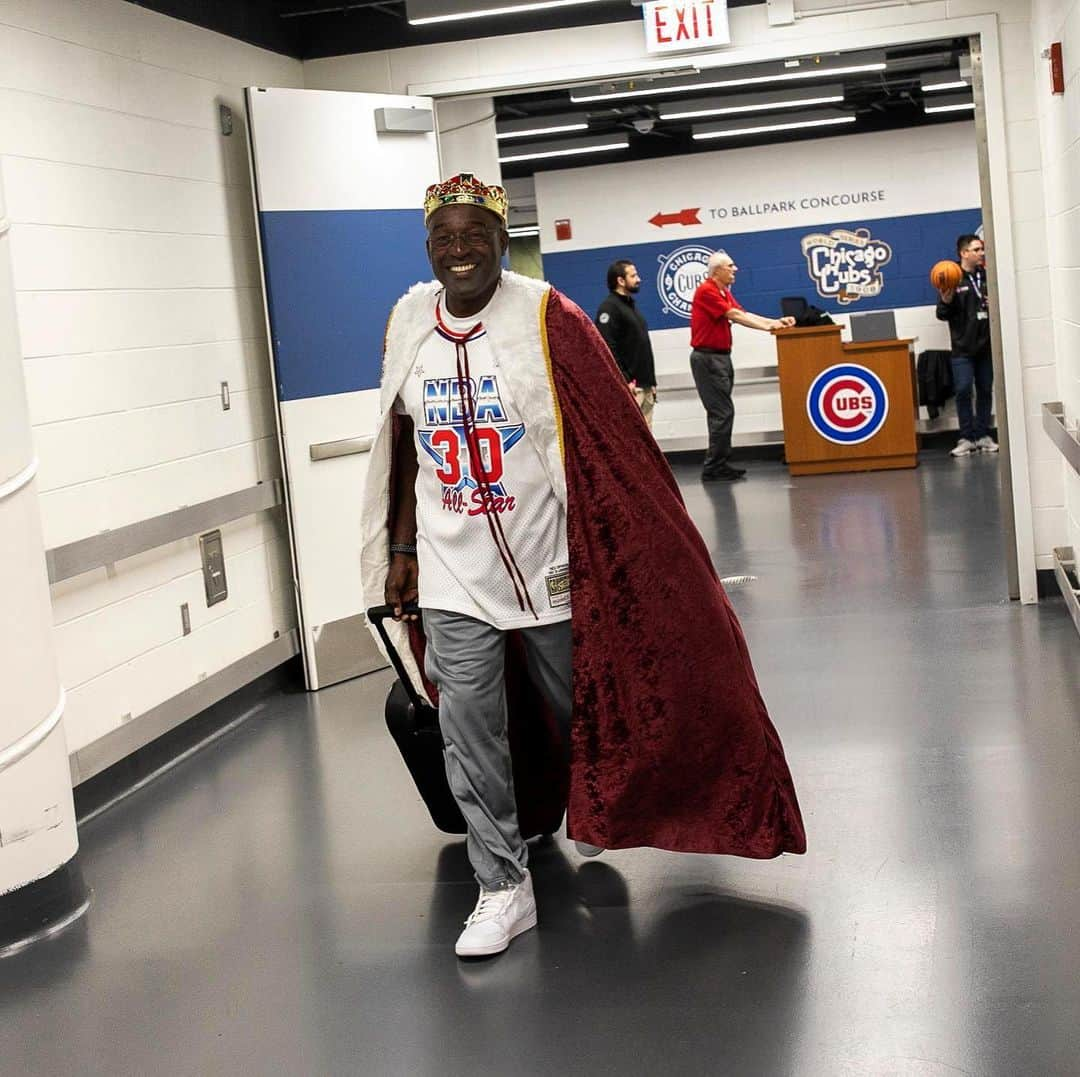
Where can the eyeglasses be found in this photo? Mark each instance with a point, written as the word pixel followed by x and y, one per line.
pixel 472 237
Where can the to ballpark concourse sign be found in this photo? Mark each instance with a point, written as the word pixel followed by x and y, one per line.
pixel 847 404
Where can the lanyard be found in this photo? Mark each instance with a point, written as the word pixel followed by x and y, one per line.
pixel 977 284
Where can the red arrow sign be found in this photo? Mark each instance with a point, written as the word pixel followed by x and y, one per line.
pixel 684 216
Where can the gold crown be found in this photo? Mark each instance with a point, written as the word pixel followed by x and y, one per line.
pixel 466 189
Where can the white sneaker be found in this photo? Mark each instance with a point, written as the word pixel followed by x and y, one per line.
pixel 986 444
pixel 499 916
pixel 964 447
pixel 586 849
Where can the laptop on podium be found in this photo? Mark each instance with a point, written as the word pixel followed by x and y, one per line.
pixel 874 325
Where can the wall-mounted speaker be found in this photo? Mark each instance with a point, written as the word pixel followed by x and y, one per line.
pixel 404 120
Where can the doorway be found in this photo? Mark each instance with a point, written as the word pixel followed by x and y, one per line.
pixel 977 37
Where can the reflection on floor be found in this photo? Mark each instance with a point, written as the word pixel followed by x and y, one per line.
pixel 280 905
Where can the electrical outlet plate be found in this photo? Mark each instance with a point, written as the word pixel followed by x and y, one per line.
pixel 213 565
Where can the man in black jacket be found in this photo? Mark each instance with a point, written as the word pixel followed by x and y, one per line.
pixel 966 309
pixel 624 329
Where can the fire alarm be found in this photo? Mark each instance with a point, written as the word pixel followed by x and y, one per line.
pixel 1057 68
pixel 562 228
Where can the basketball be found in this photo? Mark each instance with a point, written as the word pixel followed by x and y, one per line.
pixel 945 276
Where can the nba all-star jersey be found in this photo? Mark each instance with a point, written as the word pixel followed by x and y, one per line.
pixel 491 535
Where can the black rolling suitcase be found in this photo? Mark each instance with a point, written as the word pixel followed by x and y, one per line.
pixel 414 724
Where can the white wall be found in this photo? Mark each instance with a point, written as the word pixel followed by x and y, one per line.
pixel 484 66
pixel 1058 512
pixel 137 285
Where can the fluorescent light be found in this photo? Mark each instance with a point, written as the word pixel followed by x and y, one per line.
pixel 541 125
pixel 562 129
pixel 524 230
pixel 503 8
pixel 564 149
pixel 763 102
pixel 943 80
pixel 953 102
pixel 733 128
pixel 760 75
pixel 964 106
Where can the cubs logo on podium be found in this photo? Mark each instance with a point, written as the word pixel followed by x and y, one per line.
pixel 847 404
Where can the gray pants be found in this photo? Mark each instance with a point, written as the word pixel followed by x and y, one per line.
pixel 465 659
pixel 714 377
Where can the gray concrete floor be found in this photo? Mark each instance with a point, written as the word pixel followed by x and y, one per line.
pixel 279 904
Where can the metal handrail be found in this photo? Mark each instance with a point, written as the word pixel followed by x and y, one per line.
pixel 17 482
pixel 22 747
pixel 1065 573
pixel 747 375
pixel 86 554
pixel 1066 439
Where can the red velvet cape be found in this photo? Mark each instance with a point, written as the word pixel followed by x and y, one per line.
pixel 672 743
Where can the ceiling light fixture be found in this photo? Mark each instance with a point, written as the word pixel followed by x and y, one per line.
pixel 763 102
pixel 943 80
pixel 564 149
pixel 963 106
pixel 953 102
pixel 427 12
pixel 541 125
pixel 757 75
pixel 737 128
pixel 524 230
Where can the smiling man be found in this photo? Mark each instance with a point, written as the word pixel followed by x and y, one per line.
pixel 514 490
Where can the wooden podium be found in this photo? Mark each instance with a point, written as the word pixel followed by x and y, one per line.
pixel 846 407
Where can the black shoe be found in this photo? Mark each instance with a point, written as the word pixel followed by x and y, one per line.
pixel 724 474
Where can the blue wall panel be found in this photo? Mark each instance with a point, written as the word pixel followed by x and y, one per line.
pixel 333 277
pixel 771 265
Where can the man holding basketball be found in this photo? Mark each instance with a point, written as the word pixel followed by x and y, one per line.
pixel 965 306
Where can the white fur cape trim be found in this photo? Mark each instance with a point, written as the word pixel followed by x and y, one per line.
pixel 517 341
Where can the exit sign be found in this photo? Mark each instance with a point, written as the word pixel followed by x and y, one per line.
pixel 693 24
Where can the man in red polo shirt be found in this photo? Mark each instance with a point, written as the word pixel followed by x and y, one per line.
pixel 713 310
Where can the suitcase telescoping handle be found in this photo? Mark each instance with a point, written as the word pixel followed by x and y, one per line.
pixel 376 615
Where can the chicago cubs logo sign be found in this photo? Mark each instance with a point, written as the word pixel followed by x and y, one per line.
pixel 847 404
pixel 846 265
pixel 681 271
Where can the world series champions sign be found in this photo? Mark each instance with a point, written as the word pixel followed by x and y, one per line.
pixel 846 265
pixel 680 273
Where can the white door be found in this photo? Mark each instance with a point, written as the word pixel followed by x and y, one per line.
pixel 341 230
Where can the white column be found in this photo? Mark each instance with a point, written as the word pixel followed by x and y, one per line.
pixel 467 142
pixel 38 840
